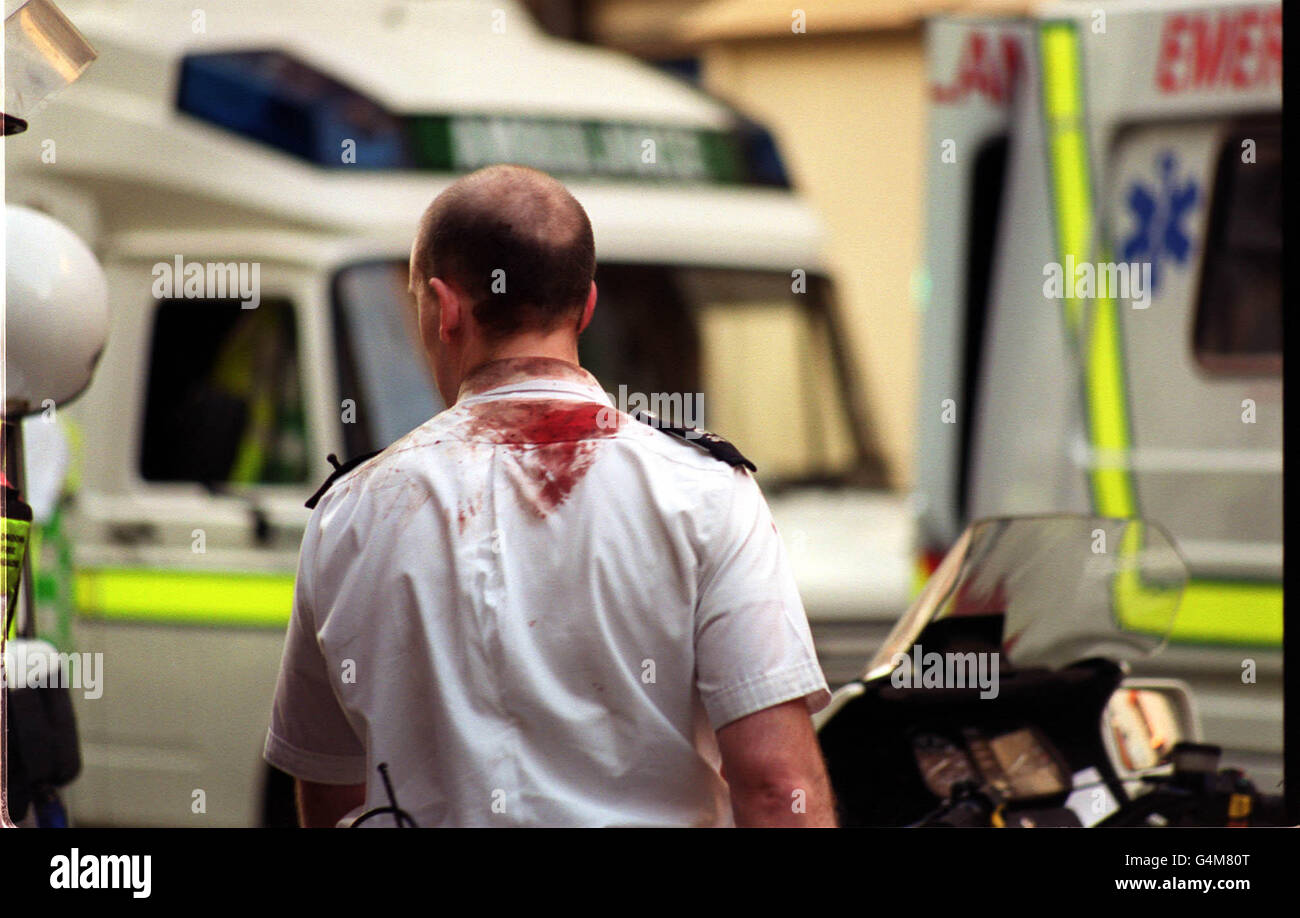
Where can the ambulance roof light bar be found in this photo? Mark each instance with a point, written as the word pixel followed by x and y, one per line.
pixel 275 99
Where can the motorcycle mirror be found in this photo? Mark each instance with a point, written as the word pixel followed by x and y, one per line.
pixel 1144 720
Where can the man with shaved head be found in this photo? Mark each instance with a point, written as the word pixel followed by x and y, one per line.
pixel 535 609
pixel 504 262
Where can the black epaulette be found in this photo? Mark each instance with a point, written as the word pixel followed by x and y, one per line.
pixel 339 472
pixel 711 443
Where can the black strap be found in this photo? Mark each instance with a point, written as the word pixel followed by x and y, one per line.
pixel 711 443
pixel 339 472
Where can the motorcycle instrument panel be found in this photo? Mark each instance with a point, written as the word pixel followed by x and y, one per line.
pixel 943 763
pixel 1019 763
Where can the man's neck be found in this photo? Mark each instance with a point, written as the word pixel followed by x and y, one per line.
pixel 561 345
pixel 518 356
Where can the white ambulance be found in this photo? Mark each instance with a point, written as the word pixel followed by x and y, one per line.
pixel 250 175
pixel 1091 142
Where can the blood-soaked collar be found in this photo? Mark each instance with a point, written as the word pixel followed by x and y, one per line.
pixel 522 374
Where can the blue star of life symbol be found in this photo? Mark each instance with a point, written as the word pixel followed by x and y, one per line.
pixel 1159 233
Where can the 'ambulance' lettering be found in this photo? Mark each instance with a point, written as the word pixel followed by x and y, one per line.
pixel 1238 49
pixel 984 70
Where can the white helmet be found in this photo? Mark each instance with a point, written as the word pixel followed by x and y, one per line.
pixel 56 312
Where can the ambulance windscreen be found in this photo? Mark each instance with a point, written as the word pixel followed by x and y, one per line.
pixel 735 351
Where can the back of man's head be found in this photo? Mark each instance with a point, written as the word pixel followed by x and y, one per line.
pixel 515 242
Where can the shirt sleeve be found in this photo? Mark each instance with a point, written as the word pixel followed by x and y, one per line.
pixel 310 736
pixel 753 647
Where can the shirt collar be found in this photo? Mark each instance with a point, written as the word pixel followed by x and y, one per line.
pixel 513 375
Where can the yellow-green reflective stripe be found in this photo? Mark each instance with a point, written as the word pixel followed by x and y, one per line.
pixel 1211 611
pixel 185 597
pixel 1230 612
pixel 1141 604
pixel 1068 149
pixel 1107 420
pixel 1104 394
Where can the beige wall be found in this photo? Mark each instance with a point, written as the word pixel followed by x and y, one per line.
pixel 848 112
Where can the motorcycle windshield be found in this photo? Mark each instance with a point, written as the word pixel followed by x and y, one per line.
pixel 1066 587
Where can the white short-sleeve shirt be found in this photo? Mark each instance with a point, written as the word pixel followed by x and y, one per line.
pixel 537 611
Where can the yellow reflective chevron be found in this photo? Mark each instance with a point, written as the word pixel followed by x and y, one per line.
pixel 185 597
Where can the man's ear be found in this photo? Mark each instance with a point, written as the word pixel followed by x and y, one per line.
pixel 450 314
pixel 588 309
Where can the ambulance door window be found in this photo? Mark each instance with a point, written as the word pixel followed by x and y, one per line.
pixel 1238 327
pixel 224 402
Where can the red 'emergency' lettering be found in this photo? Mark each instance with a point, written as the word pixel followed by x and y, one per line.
pixel 983 69
pixel 1239 49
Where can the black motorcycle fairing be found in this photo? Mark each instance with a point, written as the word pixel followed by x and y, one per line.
pixel 868 750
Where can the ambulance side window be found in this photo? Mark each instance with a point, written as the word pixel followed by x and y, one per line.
pixel 1238 326
pixel 224 402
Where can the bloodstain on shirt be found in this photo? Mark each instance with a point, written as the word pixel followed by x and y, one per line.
pixel 551 443
pixel 466 512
